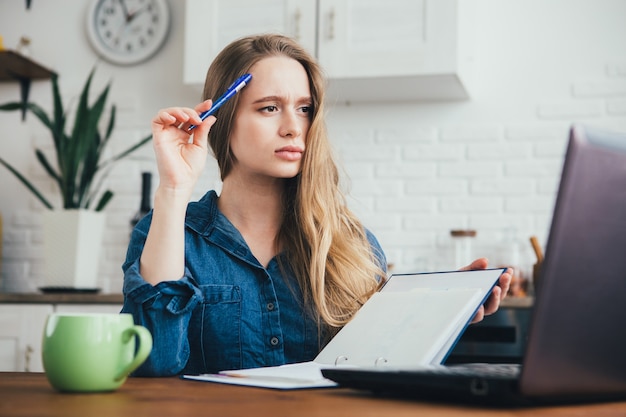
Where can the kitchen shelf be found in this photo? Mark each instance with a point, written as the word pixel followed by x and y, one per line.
pixel 17 67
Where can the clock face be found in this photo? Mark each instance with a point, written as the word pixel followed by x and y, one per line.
pixel 127 32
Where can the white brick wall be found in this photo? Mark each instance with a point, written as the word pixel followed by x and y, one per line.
pixel 414 170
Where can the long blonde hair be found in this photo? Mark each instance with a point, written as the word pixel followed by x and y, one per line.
pixel 325 244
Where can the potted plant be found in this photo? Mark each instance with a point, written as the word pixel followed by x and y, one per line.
pixel 79 170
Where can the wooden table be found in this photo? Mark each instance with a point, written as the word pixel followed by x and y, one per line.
pixel 29 394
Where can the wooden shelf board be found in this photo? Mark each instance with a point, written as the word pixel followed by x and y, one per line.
pixel 14 66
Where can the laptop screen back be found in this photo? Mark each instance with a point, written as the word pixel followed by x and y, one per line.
pixel 577 339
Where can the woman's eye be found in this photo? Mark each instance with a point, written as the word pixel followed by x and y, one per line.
pixel 269 109
pixel 306 109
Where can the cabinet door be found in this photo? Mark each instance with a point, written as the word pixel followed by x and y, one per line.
pixel 212 24
pixel 21 330
pixel 369 38
pixel 395 49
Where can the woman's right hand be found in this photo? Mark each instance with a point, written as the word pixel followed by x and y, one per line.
pixel 180 161
pixel 181 156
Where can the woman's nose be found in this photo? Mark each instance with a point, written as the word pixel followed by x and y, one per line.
pixel 290 126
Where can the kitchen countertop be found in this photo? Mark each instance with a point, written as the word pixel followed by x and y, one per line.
pixel 88 298
pixel 61 298
pixel 517 302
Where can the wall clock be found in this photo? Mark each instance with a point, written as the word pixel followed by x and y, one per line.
pixel 127 32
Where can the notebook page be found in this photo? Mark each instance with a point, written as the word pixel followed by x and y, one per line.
pixel 401 328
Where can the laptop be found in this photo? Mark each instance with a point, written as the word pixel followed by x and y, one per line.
pixel 576 347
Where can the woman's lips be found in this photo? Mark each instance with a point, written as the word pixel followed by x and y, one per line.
pixel 290 153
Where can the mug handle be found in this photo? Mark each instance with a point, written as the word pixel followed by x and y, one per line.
pixel 145 346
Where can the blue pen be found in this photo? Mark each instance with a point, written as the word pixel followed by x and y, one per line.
pixel 230 92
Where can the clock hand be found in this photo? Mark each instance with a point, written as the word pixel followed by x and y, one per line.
pixel 122 29
pixel 125 9
pixel 134 14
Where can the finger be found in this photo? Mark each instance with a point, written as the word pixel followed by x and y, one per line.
pixel 174 116
pixel 480 314
pixel 505 282
pixel 204 106
pixel 480 263
pixel 195 119
pixel 163 117
pixel 493 302
pixel 201 132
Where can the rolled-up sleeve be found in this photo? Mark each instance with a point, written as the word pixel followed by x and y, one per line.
pixel 164 309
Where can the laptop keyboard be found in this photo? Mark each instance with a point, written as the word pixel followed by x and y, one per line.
pixel 484 370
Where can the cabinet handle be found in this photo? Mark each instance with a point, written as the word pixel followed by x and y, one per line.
pixel 297 18
pixel 331 24
pixel 28 354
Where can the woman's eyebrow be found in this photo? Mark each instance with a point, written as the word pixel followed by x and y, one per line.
pixel 267 98
pixel 305 99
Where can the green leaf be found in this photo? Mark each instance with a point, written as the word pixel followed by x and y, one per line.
pixel 130 150
pixel 35 109
pixel 59 113
pixel 109 130
pixel 11 106
pixel 104 200
pixel 27 183
pixel 46 165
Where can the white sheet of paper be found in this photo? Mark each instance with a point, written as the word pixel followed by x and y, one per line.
pixel 401 328
pixel 291 376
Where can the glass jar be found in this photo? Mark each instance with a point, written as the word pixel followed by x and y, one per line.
pixel 462 240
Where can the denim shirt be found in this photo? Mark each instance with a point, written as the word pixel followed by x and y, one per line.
pixel 227 311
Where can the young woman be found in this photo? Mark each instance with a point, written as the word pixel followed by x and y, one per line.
pixel 266 272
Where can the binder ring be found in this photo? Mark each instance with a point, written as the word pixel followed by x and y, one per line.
pixel 380 360
pixel 340 358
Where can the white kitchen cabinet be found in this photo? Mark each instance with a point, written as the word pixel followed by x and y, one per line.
pixel 387 50
pixel 21 330
pixel 212 24
pixel 396 50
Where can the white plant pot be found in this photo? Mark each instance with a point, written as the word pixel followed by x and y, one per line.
pixel 72 245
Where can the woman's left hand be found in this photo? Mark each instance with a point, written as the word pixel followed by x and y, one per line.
pixel 498 292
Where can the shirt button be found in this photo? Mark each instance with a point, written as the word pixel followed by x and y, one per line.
pixel 270 306
pixel 274 341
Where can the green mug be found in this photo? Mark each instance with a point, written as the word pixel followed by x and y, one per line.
pixel 84 352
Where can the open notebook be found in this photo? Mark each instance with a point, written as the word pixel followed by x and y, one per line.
pixel 415 319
